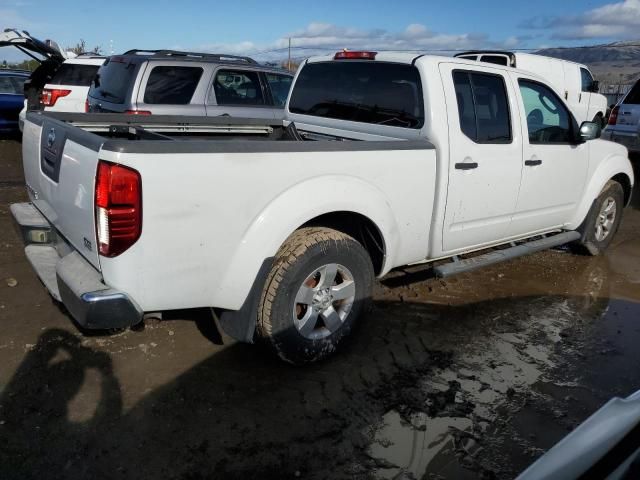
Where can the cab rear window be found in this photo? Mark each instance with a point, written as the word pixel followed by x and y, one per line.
pixel 360 91
pixel 75 75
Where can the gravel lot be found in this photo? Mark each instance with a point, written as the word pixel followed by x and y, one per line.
pixel 473 377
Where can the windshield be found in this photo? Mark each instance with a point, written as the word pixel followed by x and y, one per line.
pixel 360 91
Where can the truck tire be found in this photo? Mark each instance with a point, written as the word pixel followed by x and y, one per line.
pixel 603 220
pixel 319 284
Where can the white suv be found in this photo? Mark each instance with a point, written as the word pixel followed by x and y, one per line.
pixel 67 90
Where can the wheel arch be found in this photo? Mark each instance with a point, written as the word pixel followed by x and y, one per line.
pixel 627 187
pixel 615 167
pixel 358 226
pixel 349 204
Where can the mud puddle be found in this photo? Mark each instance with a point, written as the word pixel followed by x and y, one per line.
pixel 535 367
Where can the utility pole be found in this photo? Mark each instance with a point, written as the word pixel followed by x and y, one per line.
pixel 289 61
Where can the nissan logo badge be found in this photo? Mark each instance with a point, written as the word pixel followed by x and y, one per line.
pixel 51 138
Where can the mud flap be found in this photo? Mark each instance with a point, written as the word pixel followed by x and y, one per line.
pixel 241 324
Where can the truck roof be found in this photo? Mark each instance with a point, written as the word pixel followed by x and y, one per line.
pixel 516 55
pixel 413 58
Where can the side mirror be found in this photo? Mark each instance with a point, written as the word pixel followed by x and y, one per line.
pixel 595 87
pixel 589 131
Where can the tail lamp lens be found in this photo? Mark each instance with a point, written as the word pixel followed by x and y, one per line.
pixel 50 96
pixel 118 203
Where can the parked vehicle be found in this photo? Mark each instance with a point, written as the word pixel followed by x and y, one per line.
pixel 67 90
pixel 51 58
pixel 182 83
pixel 387 159
pixel 11 98
pixel 624 121
pixel 606 445
pixel 573 81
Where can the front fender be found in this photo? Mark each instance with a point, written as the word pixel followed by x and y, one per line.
pixel 283 215
pixel 612 165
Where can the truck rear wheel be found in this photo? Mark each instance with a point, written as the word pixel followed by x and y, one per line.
pixel 319 285
pixel 603 220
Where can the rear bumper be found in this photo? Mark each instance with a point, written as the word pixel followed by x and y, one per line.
pixel 631 140
pixel 69 278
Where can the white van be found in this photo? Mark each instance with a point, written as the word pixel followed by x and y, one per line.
pixel 572 80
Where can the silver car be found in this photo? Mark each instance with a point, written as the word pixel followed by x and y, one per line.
pixel 624 121
pixel 169 82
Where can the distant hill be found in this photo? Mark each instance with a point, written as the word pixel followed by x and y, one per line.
pixel 614 63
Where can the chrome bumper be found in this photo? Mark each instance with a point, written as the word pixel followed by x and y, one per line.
pixel 69 278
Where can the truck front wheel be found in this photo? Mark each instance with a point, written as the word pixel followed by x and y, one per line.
pixel 319 284
pixel 603 220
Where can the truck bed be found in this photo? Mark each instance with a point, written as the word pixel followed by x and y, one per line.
pixel 177 134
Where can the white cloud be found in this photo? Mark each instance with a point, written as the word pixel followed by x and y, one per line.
pixel 619 20
pixel 318 38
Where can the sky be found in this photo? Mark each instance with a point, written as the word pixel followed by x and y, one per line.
pixel 262 29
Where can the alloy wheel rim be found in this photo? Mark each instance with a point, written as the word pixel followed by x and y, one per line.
pixel 606 218
pixel 324 301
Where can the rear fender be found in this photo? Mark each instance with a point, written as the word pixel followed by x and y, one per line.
pixel 280 218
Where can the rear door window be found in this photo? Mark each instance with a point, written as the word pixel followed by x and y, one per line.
pixel 483 107
pixel 113 80
pixel 75 74
pixel 495 59
pixel 236 87
pixel 372 92
pixel 279 85
pixel 172 85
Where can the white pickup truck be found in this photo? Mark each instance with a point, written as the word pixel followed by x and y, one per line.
pixel 386 160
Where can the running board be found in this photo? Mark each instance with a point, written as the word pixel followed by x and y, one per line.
pixel 460 266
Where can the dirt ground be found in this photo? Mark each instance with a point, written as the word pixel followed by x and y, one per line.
pixel 470 378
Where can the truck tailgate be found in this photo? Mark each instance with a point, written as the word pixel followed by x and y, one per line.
pixel 60 163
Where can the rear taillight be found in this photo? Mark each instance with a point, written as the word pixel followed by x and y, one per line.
pixel 118 208
pixel 613 116
pixel 86 106
pixel 137 112
pixel 50 96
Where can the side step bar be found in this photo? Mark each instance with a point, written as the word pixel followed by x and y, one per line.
pixel 460 266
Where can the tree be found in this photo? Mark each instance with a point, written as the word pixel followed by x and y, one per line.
pixel 30 65
pixel 81 47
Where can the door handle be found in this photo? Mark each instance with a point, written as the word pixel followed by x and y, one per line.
pixel 466 166
pixel 532 163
